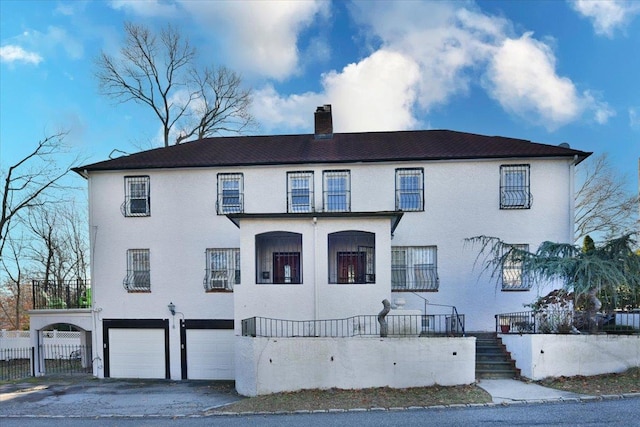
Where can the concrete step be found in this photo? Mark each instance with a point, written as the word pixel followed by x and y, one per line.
pixel 492 358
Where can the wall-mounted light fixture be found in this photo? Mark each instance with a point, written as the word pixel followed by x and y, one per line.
pixel 172 308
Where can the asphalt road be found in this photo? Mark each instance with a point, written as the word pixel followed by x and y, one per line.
pixel 609 413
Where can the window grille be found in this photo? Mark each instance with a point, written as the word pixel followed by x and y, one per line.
pixel 512 277
pixel 351 257
pixel 137 201
pixel 337 191
pixel 138 270
pixel 414 268
pixel 300 192
pixel 279 258
pixel 515 187
pixel 222 269
pixel 230 193
pixel 409 190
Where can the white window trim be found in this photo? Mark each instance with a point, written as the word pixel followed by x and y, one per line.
pixel 138 267
pixel 225 278
pixel 514 268
pixel 230 208
pixel 326 177
pixel 129 183
pixel 291 178
pixel 419 192
pixel 414 264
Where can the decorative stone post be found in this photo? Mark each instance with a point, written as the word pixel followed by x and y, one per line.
pixel 384 329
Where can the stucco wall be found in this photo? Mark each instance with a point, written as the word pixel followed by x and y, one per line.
pixel 543 355
pixel 461 200
pixel 272 365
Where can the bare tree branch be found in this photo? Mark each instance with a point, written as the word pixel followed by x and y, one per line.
pixel 602 205
pixel 159 72
pixel 27 181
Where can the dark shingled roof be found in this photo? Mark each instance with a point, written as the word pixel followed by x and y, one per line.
pixel 341 148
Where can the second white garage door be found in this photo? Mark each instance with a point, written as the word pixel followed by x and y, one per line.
pixel 210 354
pixel 136 353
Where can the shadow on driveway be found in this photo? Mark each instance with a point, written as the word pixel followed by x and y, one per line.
pixel 82 396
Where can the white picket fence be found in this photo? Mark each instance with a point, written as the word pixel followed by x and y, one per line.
pixel 22 339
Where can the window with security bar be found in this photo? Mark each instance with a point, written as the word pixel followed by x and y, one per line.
pixel 414 268
pixel 409 189
pixel 337 191
pixel 515 187
pixel 138 277
pixel 351 257
pixel 279 258
pixel 230 193
pixel 137 201
pixel 512 277
pixel 222 269
pixel 299 192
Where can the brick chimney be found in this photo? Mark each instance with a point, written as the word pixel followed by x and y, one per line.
pixel 324 122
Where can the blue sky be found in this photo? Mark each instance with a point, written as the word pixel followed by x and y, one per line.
pixel 547 71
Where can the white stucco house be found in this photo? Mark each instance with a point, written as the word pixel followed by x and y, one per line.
pixel 188 240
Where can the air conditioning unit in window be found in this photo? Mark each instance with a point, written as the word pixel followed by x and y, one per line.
pixel 217 284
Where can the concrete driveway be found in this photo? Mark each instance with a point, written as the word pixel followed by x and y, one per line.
pixel 87 396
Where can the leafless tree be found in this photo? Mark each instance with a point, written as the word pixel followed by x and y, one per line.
pixel 14 300
pixel 27 182
pixel 59 247
pixel 161 73
pixel 603 208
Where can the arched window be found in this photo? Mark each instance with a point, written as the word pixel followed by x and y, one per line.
pixel 279 258
pixel 351 257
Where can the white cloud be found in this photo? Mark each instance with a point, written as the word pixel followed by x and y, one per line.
pixel 375 94
pixel 423 55
pixel 259 37
pixel 522 78
pixel 378 93
pixel 147 8
pixel 12 53
pixel 607 15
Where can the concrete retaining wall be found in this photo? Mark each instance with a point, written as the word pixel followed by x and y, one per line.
pixel 540 355
pixel 272 365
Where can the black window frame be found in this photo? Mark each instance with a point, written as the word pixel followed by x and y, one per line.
pixel 515 195
pixel 133 199
pixel 136 274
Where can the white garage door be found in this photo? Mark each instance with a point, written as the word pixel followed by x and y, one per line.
pixel 210 354
pixel 136 353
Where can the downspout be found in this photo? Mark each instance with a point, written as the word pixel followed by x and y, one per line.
pixel 316 304
pixel 572 201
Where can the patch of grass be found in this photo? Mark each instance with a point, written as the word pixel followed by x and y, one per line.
pixel 625 382
pixel 365 398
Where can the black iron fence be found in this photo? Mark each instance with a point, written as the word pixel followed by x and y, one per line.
pixel 51 294
pixel 364 325
pixel 18 363
pixel 567 322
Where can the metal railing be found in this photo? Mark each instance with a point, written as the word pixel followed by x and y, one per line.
pixel 568 321
pixel 52 294
pixel 413 325
pixel 16 363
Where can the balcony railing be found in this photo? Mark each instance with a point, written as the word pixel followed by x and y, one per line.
pixel 51 294
pixel 364 325
pixel 568 322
